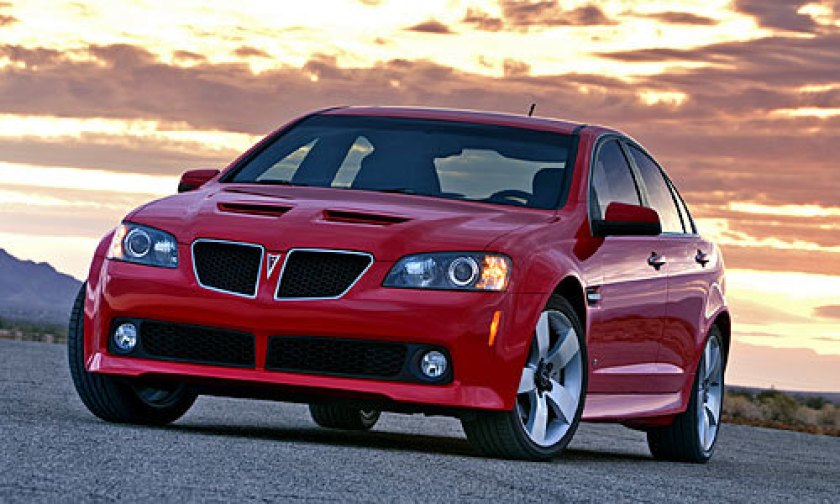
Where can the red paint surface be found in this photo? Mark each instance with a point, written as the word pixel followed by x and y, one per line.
pixel 646 333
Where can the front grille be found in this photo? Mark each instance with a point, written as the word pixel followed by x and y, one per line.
pixel 320 273
pixel 202 345
pixel 363 359
pixel 228 267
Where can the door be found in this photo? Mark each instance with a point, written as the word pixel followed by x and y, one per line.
pixel 688 259
pixel 627 320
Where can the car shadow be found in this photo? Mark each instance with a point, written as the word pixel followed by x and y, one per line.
pixel 382 440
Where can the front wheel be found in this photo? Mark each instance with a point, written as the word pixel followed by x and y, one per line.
pixel 339 416
pixel 550 396
pixel 115 399
pixel 693 434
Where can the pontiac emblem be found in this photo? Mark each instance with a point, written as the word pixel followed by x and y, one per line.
pixel 271 262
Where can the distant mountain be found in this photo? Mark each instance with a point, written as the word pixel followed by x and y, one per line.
pixel 35 292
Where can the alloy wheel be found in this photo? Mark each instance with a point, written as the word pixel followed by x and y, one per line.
pixel 709 393
pixel 552 380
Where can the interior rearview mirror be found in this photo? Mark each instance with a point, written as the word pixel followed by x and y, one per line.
pixel 194 179
pixel 622 219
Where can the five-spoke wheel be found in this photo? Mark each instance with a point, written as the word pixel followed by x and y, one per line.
pixel 552 380
pixel 692 435
pixel 550 395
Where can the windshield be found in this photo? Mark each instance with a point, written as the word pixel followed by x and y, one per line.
pixel 443 159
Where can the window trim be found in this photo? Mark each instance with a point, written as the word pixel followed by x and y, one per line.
pixel 230 173
pixel 600 142
pixel 681 204
pixel 627 143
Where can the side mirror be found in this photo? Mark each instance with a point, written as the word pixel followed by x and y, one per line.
pixel 194 179
pixel 622 219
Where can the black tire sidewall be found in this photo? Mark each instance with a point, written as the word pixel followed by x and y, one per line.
pixel 560 304
pixel 113 398
pixel 705 455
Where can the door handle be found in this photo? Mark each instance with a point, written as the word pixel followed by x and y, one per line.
pixel 656 260
pixel 702 258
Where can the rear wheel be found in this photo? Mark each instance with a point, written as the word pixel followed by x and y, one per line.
pixel 550 397
pixel 339 416
pixel 692 436
pixel 116 399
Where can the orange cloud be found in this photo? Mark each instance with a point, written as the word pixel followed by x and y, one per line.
pixel 431 26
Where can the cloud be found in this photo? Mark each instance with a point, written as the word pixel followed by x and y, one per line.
pixel 759 366
pixel 250 52
pixel 6 20
pixel 29 56
pixel 720 143
pixel 142 157
pixel 431 26
pixel 188 56
pixel 828 311
pixel 679 17
pixel 483 20
pixel 779 14
pixel 526 14
pixel 515 68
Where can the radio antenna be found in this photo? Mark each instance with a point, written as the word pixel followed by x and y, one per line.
pixel 531 110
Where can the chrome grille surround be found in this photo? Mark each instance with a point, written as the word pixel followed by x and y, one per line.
pixel 250 295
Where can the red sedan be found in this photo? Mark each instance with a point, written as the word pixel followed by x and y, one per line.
pixel 522 274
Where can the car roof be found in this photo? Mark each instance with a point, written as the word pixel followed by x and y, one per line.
pixel 469 116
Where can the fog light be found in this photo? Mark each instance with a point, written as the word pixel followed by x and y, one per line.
pixel 125 337
pixel 433 364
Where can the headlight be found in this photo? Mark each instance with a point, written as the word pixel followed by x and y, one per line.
pixel 144 245
pixel 451 271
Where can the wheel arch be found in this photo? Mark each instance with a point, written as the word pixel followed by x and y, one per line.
pixel 723 321
pixel 572 290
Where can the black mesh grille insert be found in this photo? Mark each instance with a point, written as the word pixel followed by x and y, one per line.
pixel 363 359
pixel 317 274
pixel 227 266
pixel 202 345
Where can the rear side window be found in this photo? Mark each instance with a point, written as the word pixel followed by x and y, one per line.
pixel 688 222
pixel 658 192
pixel 612 180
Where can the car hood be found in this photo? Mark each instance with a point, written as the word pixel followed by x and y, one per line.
pixel 387 225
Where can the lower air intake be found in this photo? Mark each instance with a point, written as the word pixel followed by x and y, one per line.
pixel 195 344
pixel 355 358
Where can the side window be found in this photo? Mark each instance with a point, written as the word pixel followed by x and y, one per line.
pixel 688 222
pixel 611 181
pixel 658 192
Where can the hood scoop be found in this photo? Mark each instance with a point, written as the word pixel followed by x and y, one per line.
pixel 354 217
pixel 254 208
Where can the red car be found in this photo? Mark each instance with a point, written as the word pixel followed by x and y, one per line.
pixel 522 274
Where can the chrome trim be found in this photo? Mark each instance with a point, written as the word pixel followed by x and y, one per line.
pixel 238 294
pixel 271 263
pixel 333 251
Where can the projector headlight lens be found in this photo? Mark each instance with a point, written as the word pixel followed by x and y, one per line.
pixel 474 271
pixel 144 245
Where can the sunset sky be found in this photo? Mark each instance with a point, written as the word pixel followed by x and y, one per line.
pixel 104 103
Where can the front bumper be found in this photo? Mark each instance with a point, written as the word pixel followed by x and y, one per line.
pixel 484 376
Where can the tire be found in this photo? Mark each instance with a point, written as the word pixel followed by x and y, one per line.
pixel 505 434
pixel 339 416
pixel 685 440
pixel 116 399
